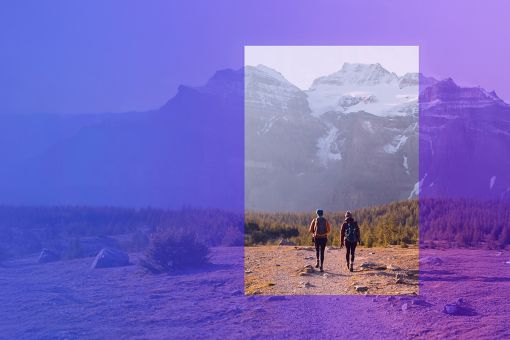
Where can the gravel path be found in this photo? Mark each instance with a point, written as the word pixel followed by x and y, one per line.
pixel 273 270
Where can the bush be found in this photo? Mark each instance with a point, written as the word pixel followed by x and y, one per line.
pixel 171 250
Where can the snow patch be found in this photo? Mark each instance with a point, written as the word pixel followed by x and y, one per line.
pixel 367 125
pixel 492 182
pixel 406 165
pixel 395 145
pixel 416 188
pixel 328 148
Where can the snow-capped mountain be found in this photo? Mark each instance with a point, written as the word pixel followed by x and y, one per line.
pixel 364 87
pixel 347 155
pixel 190 150
pixel 357 139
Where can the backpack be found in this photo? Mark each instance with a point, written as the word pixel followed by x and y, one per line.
pixel 351 232
pixel 320 226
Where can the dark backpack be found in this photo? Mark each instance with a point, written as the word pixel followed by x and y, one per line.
pixel 351 232
pixel 320 226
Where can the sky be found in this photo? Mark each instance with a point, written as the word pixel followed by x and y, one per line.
pixel 301 65
pixel 125 55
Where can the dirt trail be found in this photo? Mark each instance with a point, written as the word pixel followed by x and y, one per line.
pixel 281 270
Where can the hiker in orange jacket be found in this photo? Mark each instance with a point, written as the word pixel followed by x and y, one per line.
pixel 350 236
pixel 320 229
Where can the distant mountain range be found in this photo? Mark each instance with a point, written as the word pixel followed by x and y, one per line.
pixel 349 141
pixel 355 139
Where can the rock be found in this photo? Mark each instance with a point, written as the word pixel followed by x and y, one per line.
pixel 430 260
pixel 248 272
pixel 304 274
pixel 390 298
pixel 371 253
pixel 306 284
pixel 110 257
pixel 237 292
pixel 361 288
pixel 372 265
pixel 305 248
pixel 277 265
pixel 285 242
pixel 405 307
pixel 48 256
pixel 419 302
pixel 400 281
pixel 308 269
pixel 309 258
pixel 451 308
pixel 393 267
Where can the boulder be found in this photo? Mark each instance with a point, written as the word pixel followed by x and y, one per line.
pixel 47 255
pixel 372 265
pixel 110 257
pixel 361 288
pixel 285 242
pixel 451 308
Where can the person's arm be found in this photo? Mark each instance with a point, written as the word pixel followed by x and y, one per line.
pixel 328 228
pixel 342 235
pixel 312 227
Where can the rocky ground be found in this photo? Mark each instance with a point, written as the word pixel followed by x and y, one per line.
pixel 288 270
pixel 463 294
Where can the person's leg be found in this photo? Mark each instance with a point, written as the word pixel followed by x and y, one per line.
pixel 323 248
pixel 352 249
pixel 347 250
pixel 317 252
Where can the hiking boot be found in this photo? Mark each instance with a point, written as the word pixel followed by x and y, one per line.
pixel 347 265
pixel 351 269
pixel 317 265
pixel 322 269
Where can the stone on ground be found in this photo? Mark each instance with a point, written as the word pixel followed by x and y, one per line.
pixel 48 256
pixel 110 257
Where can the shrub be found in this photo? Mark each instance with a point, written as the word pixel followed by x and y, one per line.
pixel 171 250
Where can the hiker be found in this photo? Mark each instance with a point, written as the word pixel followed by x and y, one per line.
pixel 350 236
pixel 320 228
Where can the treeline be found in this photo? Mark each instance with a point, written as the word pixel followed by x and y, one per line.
pixel 25 230
pixel 442 222
pixel 391 224
pixel 464 223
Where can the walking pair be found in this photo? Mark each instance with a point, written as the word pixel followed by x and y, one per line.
pixel 350 236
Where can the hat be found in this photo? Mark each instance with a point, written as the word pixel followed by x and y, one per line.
pixel 348 214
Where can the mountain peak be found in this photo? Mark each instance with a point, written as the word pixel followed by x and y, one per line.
pixel 357 74
pixel 447 92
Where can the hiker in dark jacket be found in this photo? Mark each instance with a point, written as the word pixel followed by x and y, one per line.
pixel 320 228
pixel 350 236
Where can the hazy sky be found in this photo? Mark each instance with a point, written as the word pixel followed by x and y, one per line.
pixel 302 64
pixel 121 55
